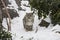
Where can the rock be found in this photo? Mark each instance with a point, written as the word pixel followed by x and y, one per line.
pixel 21 9
pixel 58 32
pixel 44 24
pixel 6 2
pixel 13 13
pixel 56 28
pixel 18 2
pixel 27 5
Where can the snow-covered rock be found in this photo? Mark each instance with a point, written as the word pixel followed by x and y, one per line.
pixel 56 28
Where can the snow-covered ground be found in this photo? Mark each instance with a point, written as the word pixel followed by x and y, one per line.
pixel 19 33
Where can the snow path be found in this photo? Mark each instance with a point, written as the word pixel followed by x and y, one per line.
pixel 19 33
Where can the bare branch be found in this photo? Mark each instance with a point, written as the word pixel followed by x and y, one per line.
pixel 7 13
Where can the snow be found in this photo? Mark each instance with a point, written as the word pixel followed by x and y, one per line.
pixel 48 19
pixel 39 33
pixel 56 28
pixel 24 2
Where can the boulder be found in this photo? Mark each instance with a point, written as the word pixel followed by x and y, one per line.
pixel 6 2
pixel 44 24
pixel 18 2
pixel 13 13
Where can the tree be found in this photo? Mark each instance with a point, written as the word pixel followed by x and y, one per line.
pixel 45 6
pixel 7 13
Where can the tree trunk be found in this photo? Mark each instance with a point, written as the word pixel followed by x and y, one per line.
pixel 7 13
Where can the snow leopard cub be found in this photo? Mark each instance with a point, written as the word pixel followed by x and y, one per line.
pixel 28 21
